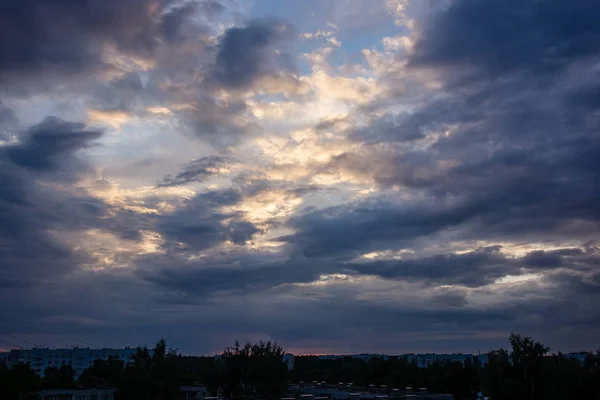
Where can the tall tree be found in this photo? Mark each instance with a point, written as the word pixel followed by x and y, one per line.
pixel 255 369
pixel 151 375
pixel 498 374
pixel 528 357
pixel 62 377
pixel 19 383
pixel 103 374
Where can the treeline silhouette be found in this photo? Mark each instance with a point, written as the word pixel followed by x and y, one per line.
pixel 526 372
pixel 255 371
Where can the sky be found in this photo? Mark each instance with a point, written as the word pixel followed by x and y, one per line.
pixel 339 176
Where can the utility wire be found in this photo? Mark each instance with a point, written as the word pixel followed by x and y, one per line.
pixel 49 333
pixel 16 337
pixel 10 344
pixel 23 332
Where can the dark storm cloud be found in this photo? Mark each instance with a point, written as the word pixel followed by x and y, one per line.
pixel 50 144
pixel 518 163
pixel 200 225
pixel 513 194
pixel 120 95
pixel 39 205
pixel 509 154
pixel 549 259
pixel 479 267
pixel 241 232
pixel 197 170
pixel 474 268
pixel 245 272
pixel 7 122
pixel 69 36
pixel 173 21
pixel 346 230
pixel 29 210
pixel 254 184
pixel 238 272
pixel 435 313
pixel 501 36
pixel 248 53
pixel 384 129
pixel 221 124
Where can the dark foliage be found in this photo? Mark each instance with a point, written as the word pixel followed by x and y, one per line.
pixel 525 372
pixel 18 383
pixel 62 377
pixel 255 369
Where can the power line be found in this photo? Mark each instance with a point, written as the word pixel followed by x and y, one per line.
pixel 49 333
pixel 24 332
pixel 10 344
pixel 21 339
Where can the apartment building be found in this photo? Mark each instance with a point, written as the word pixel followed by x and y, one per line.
pixel 78 358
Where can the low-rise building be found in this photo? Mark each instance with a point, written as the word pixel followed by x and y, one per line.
pixel 288 359
pixel 77 394
pixel 363 356
pixel 578 356
pixel 4 356
pixel 78 358
pixel 333 392
pixel 193 392
pixel 425 360
pixel 481 359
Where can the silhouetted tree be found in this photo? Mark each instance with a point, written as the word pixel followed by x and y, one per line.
pixel 498 375
pixel 103 374
pixel 525 372
pixel 62 377
pixel 151 376
pixel 528 357
pixel 19 383
pixel 255 369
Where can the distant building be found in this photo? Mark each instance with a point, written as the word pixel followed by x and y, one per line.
pixel 368 357
pixel 193 392
pixel 187 393
pixel 481 359
pixel 4 358
pixel 425 360
pixel 78 358
pixel 75 394
pixel 363 356
pixel 289 360
pixel 339 392
pixel 331 357
pixel 578 356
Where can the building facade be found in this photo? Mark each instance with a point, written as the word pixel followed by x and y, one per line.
pixel 580 357
pixel 364 356
pixel 74 394
pixel 4 356
pixel 288 359
pixel 422 360
pixel 193 392
pixel 425 360
pixel 78 358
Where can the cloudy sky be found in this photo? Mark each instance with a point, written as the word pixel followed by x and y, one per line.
pixel 336 175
